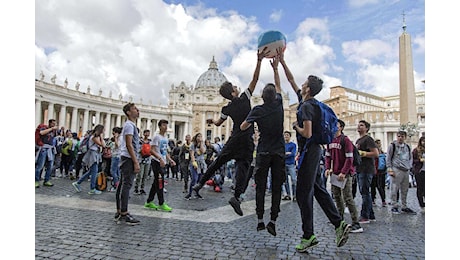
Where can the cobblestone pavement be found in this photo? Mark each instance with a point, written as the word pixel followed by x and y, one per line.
pixel 70 225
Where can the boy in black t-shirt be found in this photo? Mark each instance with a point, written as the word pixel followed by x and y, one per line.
pixel 270 150
pixel 309 181
pixel 240 145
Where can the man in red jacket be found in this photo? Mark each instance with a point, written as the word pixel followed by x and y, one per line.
pixel 339 165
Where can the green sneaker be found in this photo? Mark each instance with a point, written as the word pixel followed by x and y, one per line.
pixel 48 184
pixel 164 207
pixel 306 244
pixel 150 205
pixel 37 184
pixel 341 233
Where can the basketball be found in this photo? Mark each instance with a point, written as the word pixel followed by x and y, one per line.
pixel 272 40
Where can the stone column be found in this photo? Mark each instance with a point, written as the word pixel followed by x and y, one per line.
pixel 149 124
pixel 97 120
pixel 62 116
pixel 119 121
pixel 85 121
pixel 138 124
pixel 172 125
pixel 38 112
pixel 108 127
pixel 73 124
pixel 50 112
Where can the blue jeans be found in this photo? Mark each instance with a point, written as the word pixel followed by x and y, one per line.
pixel 291 171
pixel 41 160
pixel 194 178
pixel 91 171
pixel 364 184
pixel 115 169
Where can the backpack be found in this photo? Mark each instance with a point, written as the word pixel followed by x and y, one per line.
pixel 38 140
pixel 382 165
pixel 67 147
pixel 107 150
pixel 145 150
pixel 325 132
pixel 84 144
pixel 356 157
pixel 101 183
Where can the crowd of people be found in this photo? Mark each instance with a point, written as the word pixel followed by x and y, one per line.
pixel 258 149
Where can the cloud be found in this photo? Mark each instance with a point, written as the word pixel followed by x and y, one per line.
pixel 141 48
pixel 361 3
pixel 276 15
pixel 137 50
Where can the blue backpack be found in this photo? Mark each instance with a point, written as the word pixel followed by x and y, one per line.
pixel 325 132
pixel 322 133
pixel 382 162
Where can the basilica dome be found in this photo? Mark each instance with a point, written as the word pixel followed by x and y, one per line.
pixel 211 78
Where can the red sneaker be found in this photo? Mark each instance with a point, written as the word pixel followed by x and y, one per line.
pixel 210 183
pixel 217 189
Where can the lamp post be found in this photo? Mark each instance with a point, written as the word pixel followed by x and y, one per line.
pixel 411 130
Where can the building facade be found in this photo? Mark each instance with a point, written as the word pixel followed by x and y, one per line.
pixel 189 107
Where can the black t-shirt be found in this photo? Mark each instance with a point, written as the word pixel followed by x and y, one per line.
pixel 307 111
pixel 269 119
pixel 366 143
pixel 238 109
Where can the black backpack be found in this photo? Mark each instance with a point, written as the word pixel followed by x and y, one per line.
pixel 356 157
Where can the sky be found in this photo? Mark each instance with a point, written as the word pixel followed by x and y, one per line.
pixel 99 43
pixel 141 48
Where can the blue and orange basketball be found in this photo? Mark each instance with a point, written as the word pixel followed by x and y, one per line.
pixel 272 40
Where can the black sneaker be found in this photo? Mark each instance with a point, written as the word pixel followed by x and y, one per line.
pixel 188 197
pixel 356 228
pixel 136 192
pixel 117 217
pixel 271 228
pixel 142 192
pixel 260 226
pixel 409 211
pixel 128 219
pixel 395 211
pixel 199 196
pixel 235 203
pixel 197 187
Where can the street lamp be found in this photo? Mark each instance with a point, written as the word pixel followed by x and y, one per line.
pixel 410 129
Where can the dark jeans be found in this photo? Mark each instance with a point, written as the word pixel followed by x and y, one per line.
pixel 264 162
pixel 66 162
pixel 126 182
pixel 157 184
pixel 309 184
pixel 78 165
pixel 420 179
pixel 364 184
pixel 185 173
pixel 241 165
pixel 378 184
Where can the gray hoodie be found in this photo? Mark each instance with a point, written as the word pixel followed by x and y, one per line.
pixel 399 156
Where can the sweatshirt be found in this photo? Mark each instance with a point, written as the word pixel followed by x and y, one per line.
pixel 340 157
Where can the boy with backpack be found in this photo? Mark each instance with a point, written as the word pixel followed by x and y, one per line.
pixel 308 127
pixel 144 163
pixel 339 164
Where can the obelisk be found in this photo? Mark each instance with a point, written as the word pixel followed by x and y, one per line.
pixel 407 103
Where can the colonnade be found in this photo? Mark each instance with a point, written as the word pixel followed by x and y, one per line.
pixel 81 112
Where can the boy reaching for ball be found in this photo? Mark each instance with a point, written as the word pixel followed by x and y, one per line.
pixel 240 145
